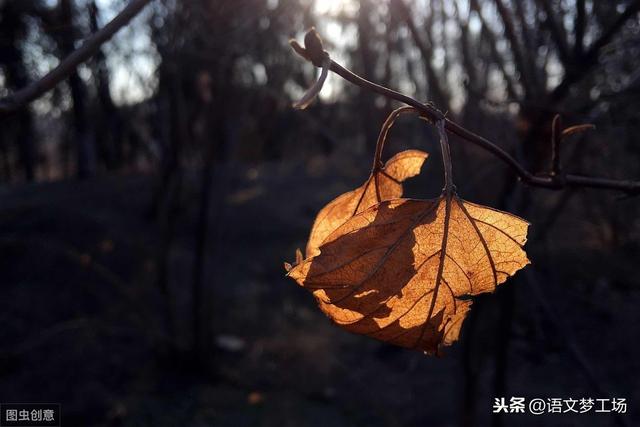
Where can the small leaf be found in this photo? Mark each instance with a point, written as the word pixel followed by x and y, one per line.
pixel 403 271
pixel 383 184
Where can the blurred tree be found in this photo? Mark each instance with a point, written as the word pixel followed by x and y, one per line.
pixel 107 118
pixel 13 30
pixel 218 60
pixel 224 77
pixel 66 32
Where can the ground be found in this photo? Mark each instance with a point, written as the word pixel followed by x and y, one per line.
pixel 84 323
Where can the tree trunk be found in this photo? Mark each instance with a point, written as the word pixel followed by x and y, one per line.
pixel 20 127
pixel 85 150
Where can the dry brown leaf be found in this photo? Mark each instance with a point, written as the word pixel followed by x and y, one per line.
pixel 403 270
pixel 383 184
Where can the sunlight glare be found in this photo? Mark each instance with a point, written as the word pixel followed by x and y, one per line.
pixel 334 7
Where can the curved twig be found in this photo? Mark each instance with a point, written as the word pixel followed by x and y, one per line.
pixel 315 53
pixel 384 131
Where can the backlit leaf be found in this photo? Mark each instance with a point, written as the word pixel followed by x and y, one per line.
pixel 403 271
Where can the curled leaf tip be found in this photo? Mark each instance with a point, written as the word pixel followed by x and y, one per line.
pixel 315 89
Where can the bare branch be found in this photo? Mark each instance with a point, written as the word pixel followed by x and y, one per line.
pixel 316 55
pixel 590 58
pixel 314 90
pixel 38 88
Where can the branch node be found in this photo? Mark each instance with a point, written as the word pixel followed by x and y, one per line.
pixel 313 50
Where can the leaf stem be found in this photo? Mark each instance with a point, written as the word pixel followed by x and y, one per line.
pixel 384 131
pixel 449 187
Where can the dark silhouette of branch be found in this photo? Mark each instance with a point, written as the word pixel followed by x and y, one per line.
pixel 555 145
pixel 38 88
pixel 581 67
pixel 590 57
pixel 315 53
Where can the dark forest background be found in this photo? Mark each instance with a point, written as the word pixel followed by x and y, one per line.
pixel 148 202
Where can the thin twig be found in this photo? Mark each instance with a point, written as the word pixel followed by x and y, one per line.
pixel 316 54
pixel 382 137
pixel 314 90
pixel 446 158
pixel 39 87
pixel 556 137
